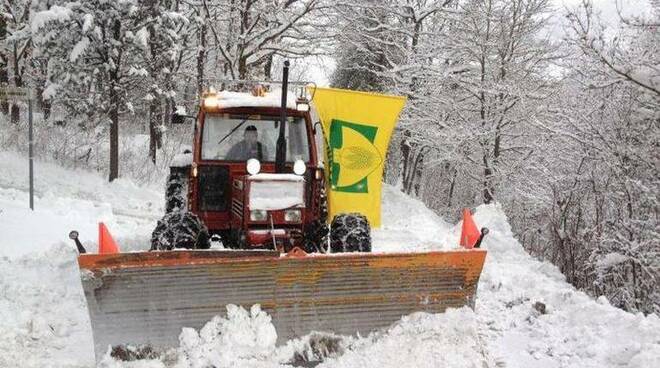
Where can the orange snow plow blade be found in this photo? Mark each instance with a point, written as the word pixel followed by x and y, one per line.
pixel 146 298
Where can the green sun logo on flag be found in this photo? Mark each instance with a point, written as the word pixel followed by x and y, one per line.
pixel 352 156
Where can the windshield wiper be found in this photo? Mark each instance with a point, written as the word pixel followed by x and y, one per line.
pixel 232 131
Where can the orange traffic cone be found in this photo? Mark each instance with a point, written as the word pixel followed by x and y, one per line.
pixel 469 233
pixel 107 244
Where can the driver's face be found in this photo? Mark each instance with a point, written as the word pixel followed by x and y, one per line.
pixel 251 136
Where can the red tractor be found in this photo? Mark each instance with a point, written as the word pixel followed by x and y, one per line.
pixel 254 179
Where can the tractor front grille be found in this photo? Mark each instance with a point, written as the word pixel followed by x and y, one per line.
pixel 213 193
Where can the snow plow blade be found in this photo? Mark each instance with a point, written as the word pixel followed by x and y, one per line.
pixel 146 298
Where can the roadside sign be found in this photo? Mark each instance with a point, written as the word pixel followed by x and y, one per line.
pixel 16 93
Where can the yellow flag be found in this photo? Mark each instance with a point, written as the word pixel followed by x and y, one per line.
pixel 357 129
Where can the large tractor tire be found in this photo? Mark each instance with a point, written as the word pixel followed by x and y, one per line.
pixel 176 190
pixel 232 239
pixel 180 229
pixel 350 233
pixel 316 234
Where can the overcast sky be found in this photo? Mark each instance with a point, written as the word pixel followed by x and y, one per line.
pixel 608 8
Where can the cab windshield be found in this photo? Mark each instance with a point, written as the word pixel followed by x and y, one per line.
pixel 239 138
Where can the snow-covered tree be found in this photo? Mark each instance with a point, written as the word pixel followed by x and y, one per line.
pixel 595 213
pixel 475 73
pixel 617 133
pixel 245 36
pixel 100 55
pixel 398 47
pixel 364 44
pixel 160 45
pixel 503 88
pixel 16 46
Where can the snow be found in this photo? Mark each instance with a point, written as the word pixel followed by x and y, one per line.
pixel 143 38
pixel 276 194
pixel 88 23
pixel 79 49
pixel 242 335
pixel 137 72
pixel 50 91
pixel 181 110
pixel 68 199
pixel 242 99
pixel 182 160
pixel 612 259
pixel 408 225
pixel 576 330
pixel 43 320
pixel 176 16
pixel 54 13
pixel 419 340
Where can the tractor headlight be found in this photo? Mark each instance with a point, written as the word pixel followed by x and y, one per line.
pixel 299 167
pixel 258 215
pixel 292 216
pixel 253 166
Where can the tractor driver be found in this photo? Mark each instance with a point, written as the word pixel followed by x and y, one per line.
pixel 249 147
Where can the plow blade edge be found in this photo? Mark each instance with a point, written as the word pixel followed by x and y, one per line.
pixel 146 298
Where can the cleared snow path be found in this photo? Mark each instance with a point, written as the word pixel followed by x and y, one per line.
pixel 408 225
pixel 43 321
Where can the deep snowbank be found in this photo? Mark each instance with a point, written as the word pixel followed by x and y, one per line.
pixel 575 331
pixel 449 339
pixel 70 199
pixel 43 320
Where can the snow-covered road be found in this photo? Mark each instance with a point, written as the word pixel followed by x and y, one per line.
pixel 43 321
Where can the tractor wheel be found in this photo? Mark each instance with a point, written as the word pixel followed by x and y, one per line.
pixel 316 237
pixel 176 190
pixel 231 239
pixel 316 234
pixel 180 229
pixel 350 233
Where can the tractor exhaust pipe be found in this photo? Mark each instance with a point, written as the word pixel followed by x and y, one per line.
pixel 280 154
